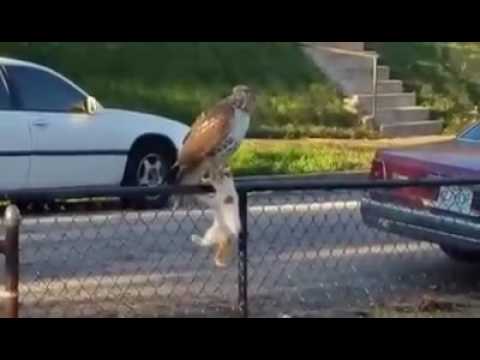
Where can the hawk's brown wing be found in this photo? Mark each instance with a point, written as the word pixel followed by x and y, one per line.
pixel 208 132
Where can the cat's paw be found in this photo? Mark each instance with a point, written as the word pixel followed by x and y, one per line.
pixel 202 241
pixel 198 240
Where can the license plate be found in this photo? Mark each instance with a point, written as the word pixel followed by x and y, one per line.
pixel 456 199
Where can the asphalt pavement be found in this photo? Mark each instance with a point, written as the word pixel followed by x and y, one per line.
pixel 309 254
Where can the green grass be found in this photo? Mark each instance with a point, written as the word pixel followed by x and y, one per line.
pixel 179 80
pixel 262 158
pixel 446 76
pixel 306 156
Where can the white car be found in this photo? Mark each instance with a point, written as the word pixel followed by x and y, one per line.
pixel 53 134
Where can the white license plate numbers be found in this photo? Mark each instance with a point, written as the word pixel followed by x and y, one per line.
pixel 455 199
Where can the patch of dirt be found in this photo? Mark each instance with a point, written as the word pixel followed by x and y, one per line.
pixel 432 305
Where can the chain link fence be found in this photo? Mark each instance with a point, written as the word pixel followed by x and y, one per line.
pixel 309 248
pixel 314 255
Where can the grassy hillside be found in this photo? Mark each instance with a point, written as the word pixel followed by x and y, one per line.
pixel 446 76
pixel 180 79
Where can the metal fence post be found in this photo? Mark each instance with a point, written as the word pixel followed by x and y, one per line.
pixel 10 248
pixel 243 256
pixel 375 84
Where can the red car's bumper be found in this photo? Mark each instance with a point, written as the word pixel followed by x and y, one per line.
pixel 422 224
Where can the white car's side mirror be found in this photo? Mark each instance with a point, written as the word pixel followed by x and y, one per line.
pixel 91 105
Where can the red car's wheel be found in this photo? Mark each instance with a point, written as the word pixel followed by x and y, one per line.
pixel 457 254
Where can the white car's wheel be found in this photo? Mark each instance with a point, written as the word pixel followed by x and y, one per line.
pixel 151 170
pixel 147 166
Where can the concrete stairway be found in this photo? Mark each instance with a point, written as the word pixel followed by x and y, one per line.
pixel 351 68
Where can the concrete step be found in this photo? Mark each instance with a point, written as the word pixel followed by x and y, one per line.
pixel 389 86
pixel 390 100
pixel 416 128
pixel 402 115
pixel 353 73
pixel 352 46
pixel 360 81
pixel 356 81
pixel 338 58
pixel 383 72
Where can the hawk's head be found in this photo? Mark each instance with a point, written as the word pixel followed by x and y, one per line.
pixel 243 98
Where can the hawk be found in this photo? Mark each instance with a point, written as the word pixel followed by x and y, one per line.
pixel 214 136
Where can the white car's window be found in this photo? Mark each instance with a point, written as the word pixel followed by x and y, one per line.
pixel 4 95
pixel 473 134
pixel 38 90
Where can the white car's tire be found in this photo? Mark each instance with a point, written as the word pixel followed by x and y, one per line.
pixel 147 166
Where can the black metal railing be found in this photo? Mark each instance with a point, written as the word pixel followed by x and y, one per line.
pixel 307 248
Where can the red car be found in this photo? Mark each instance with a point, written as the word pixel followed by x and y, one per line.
pixel 448 216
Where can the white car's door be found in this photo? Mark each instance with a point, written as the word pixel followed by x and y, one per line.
pixel 15 142
pixel 69 147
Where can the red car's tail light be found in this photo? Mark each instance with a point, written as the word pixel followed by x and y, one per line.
pixel 428 193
